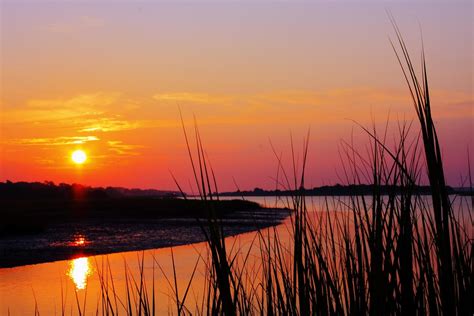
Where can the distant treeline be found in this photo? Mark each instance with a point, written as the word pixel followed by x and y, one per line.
pixel 50 190
pixel 340 190
pixel 33 208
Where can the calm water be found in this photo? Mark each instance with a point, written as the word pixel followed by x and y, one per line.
pixel 49 286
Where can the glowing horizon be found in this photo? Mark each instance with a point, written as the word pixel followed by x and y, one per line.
pixel 108 77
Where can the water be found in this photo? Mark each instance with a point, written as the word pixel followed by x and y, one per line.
pixel 50 287
pixel 68 239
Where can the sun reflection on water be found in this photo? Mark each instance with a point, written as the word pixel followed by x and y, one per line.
pixel 80 241
pixel 79 271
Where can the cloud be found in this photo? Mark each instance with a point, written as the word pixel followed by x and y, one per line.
pixel 123 149
pixel 47 123
pixel 106 124
pixel 102 112
pixel 325 106
pixel 200 98
pixel 80 102
pixel 54 141
pixel 334 96
pixel 59 110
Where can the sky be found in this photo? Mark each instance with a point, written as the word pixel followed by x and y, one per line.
pixel 109 78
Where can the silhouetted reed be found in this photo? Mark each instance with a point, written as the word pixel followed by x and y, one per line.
pixel 379 254
pixel 376 259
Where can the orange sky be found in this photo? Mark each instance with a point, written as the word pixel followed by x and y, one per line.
pixel 108 77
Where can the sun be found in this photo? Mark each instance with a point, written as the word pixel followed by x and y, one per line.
pixel 79 157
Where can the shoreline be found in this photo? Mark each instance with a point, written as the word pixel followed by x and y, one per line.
pixel 71 240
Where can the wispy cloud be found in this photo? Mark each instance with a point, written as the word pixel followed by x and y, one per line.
pixel 198 98
pixel 357 103
pixel 54 141
pixel 35 111
pixel 83 113
pixel 107 125
pixel 123 149
pixel 47 123
pixel 80 102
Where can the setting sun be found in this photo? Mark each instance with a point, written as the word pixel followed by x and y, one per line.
pixel 79 156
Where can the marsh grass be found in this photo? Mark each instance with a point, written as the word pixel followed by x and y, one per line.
pixel 390 254
pixel 394 254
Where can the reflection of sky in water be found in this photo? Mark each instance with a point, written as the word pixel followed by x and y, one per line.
pixel 79 271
